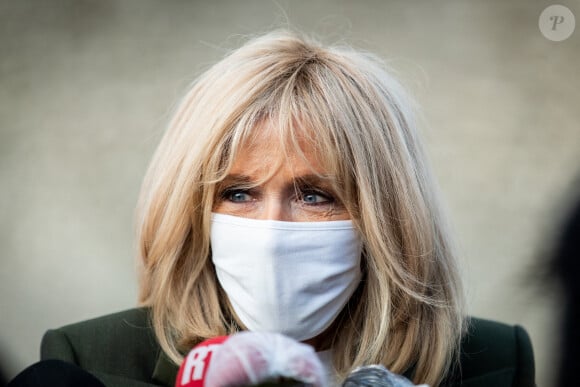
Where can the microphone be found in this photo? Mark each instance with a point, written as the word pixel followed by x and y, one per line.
pixel 376 376
pixel 194 368
pixel 252 359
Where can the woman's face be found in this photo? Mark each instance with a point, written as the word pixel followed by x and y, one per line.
pixel 293 192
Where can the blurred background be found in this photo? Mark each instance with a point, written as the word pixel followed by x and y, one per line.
pixel 86 87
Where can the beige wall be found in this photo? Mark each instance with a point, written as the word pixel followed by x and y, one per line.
pixel 86 86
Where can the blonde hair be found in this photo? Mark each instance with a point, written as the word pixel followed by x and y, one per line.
pixel 408 311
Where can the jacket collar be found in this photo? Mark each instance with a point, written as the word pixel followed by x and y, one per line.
pixel 502 377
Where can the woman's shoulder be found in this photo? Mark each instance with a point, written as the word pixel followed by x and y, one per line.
pixel 127 319
pixel 122 329
pixel 495 354
pixel 118 344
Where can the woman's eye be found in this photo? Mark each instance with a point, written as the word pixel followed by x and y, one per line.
pixel 237 196
pixel 316 198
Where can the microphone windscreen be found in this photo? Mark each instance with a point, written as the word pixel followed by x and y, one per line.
pixel 259 358
pixel 376 376
pixel 193 370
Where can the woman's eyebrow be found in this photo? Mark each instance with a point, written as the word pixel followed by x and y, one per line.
pixel 307 180
pixel 235 178
pixel 314 180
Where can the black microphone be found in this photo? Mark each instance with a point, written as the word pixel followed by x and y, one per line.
pixel 376 376
pixel 54 373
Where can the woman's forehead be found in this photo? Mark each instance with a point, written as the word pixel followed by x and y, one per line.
pixel 272 150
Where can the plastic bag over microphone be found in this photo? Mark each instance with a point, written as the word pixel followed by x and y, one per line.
pixel 251 359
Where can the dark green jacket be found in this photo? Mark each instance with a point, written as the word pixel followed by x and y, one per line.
pixel 121 350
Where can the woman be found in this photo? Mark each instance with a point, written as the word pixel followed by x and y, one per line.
pixel 290 193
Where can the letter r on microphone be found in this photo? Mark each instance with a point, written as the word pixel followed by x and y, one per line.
pixel 192 371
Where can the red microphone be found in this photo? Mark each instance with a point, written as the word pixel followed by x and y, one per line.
pixel 251 359
pixel 195 365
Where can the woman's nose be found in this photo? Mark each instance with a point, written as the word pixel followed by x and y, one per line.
pixel 275 209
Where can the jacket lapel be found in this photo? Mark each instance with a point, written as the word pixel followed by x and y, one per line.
pixel 503 377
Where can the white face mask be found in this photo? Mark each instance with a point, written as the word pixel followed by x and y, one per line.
pixel 292 278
